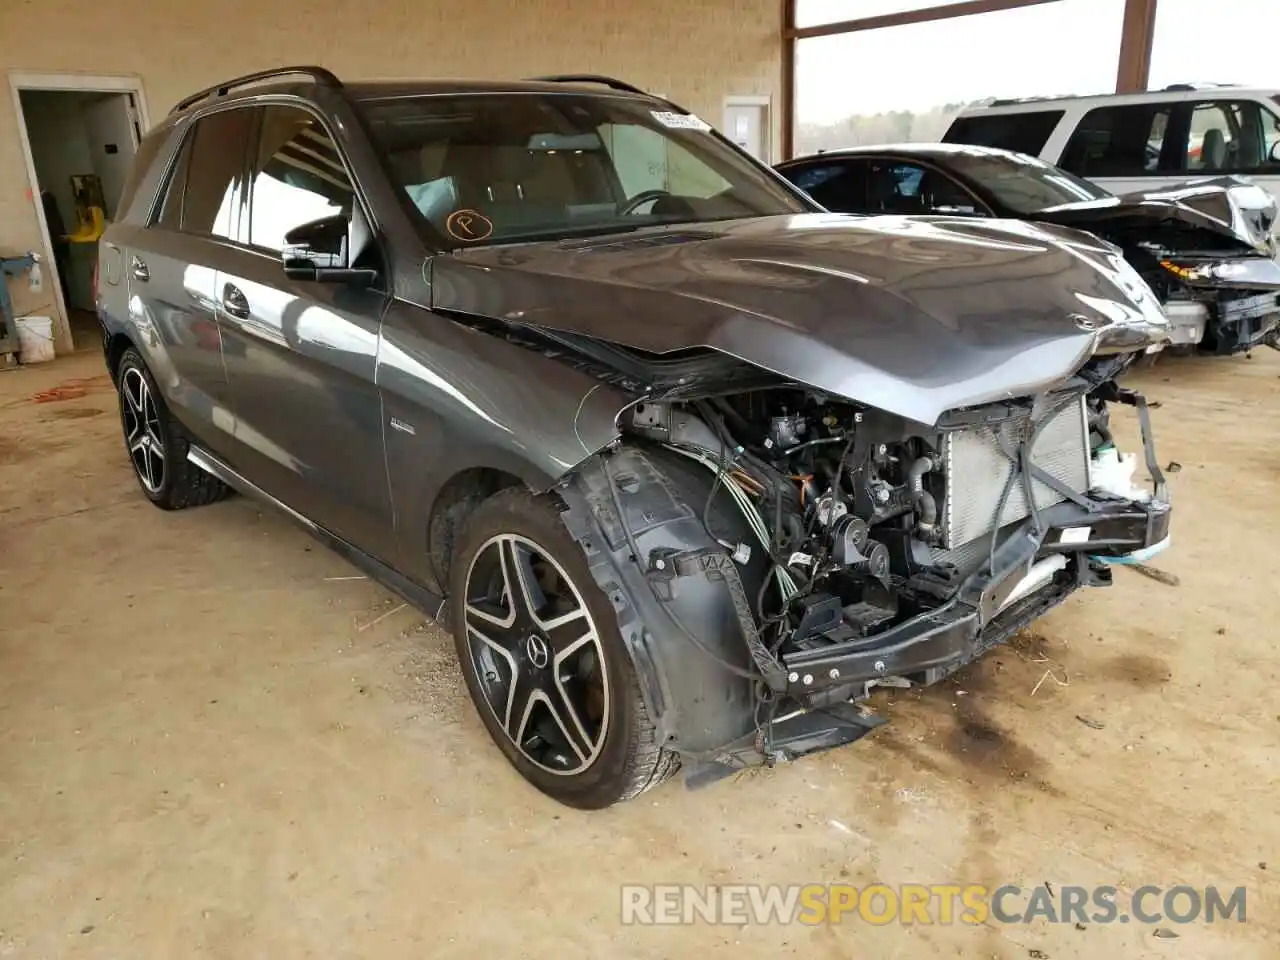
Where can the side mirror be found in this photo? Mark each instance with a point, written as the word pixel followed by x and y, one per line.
pixel 1275 152
pixel 319 250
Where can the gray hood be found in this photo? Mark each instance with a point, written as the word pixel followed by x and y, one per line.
pixel 915 316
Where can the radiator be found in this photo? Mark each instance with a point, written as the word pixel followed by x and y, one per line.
pixel 977 470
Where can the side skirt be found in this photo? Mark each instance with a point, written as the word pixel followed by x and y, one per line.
pixel 413 593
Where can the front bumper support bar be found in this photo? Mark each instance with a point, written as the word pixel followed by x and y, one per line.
pixel 976 618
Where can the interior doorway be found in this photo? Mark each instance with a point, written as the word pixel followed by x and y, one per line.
pixel 79 135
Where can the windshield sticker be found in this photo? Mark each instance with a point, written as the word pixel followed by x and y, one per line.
pixel 468 226
pixel 680 121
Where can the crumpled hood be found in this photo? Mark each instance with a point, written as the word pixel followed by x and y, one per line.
pixel 912 315
pixel 1224 206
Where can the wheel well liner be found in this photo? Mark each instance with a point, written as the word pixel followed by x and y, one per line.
pixel 114 348
pixel 455 502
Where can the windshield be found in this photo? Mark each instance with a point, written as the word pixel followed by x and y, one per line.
pixel 492 168
pixel 1024 184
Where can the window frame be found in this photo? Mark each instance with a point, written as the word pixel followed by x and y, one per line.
pixel 251 158
pixel 1225 103
pixel 1173 126
pixel 185 144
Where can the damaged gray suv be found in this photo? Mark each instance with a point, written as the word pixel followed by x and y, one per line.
pixel 688 465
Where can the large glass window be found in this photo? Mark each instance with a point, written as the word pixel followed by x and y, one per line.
pixel 505 167
pixel 908 83
pixel 1226 41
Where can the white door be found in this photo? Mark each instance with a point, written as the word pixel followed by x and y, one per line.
pixel 746 123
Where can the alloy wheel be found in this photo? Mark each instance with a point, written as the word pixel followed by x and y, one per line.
pixel 537 654
pixel 142 429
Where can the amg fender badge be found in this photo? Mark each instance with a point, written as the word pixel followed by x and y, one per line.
pixel 402 426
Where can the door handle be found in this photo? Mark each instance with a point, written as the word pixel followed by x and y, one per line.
pixel 235 302
pixel 139 268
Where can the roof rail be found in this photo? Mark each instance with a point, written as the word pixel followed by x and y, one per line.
pixel 593 78
pixel 1196 86
pixel 319 74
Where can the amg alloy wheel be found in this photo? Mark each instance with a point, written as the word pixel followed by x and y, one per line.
pixel 142 430
pixel 157 444
pixel 537 654
pixel 543 659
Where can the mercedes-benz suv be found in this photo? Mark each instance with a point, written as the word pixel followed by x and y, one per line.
pixel 687 464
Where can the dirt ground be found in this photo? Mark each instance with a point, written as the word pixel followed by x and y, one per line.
pixel 213 740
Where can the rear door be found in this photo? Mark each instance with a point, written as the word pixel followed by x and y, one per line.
pixel 300 354
pixel 170 270
pixel 1128 147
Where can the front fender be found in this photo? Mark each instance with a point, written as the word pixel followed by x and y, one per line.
pixel 456 399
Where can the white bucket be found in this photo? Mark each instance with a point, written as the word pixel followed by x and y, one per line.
pixel 35 339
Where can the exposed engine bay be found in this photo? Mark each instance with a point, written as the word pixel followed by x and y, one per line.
pixel 865 524
pixel 863 549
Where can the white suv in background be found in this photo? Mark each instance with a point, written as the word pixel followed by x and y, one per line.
pixel 1142 141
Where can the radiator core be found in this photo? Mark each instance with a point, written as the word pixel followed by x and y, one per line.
pixel 977 470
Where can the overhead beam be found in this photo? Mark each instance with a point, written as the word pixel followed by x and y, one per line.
pixel 1136 40
pixel 944 12
pixel 788 110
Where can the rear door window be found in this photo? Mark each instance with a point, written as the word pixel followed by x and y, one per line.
pixel 840 186
pixel 1122 141
pixel 1022 132
pixel 205 185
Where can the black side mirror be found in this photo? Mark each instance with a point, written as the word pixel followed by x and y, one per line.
pixel 319 250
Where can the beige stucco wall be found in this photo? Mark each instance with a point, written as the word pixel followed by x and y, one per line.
pixel 694 51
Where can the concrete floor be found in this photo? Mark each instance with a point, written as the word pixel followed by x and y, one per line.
pixel 213 741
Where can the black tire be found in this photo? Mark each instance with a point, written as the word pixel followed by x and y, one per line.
pixel 628 759
pixel 156 443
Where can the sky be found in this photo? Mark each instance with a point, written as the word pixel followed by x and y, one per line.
pixel 1067 47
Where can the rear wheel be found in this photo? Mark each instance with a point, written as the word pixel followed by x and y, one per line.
pixel 544 660
pixel 157 444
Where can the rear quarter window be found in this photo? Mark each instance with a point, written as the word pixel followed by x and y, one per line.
pixel 1022 132
pixel 1121 141
pixel 143 160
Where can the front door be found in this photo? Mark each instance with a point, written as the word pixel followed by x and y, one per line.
pixel 300 354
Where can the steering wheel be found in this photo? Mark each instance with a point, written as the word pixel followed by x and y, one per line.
pixel 640 199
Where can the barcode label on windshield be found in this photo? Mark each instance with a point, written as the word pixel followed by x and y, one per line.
pixel 680 121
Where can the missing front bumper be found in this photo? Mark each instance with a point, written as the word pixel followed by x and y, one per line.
pixel 981 615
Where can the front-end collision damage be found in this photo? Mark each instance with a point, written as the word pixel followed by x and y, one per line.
pixel 814 468
pixel 774 555
pixel 1208 249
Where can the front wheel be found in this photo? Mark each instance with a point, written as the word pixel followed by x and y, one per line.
pixel 157 444
pixel 543 658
